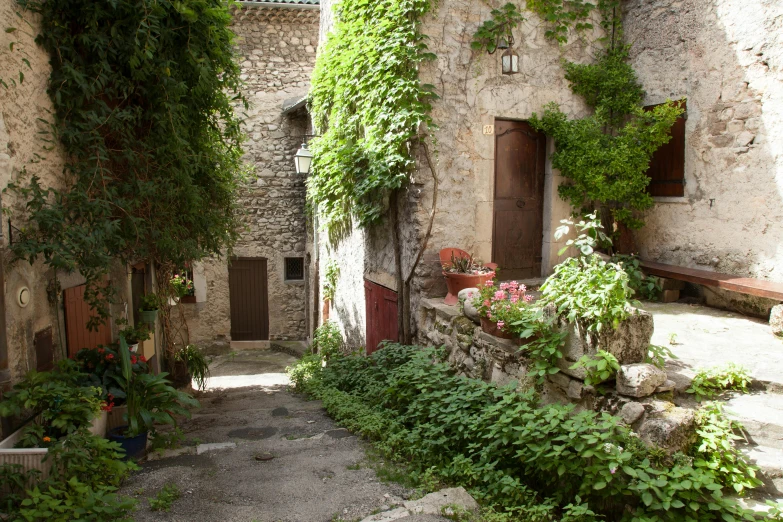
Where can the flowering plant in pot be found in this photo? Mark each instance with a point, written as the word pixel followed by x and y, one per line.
pixel 463 271
pixel 102 367
pixel 183 288
pixel 150 400
pixel 503 309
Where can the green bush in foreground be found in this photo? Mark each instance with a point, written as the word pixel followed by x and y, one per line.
pixel 526 462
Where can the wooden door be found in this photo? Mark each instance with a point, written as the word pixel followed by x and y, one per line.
pixel 249 301
pixel 517 230
pixel 77 314
pixel 381 308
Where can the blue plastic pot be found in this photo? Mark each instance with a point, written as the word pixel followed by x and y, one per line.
pixel 134 446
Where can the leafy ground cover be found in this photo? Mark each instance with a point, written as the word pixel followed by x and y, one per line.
pixel 521 460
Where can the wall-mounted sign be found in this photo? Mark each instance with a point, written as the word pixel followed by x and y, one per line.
pixel 489 130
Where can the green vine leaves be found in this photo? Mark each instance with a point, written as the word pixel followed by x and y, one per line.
pixel 368 104
pixel 605 156
pixel 145 94
pixel 491 32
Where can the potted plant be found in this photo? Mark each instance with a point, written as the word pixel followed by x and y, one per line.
pixel 102 367
pixel 183 288
pixel 57 404
pixel 150 400
pixel 503 308
pixel 133 335
pixel 148 313
pixel 463 271
pixel 196 366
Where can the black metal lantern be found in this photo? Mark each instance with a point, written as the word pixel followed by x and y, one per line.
pixel 303 159
pixel 509 62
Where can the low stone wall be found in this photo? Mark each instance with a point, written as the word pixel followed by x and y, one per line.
pixel 645 401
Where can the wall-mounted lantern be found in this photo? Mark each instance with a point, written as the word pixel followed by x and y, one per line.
pixel 509 62
pixel 303 159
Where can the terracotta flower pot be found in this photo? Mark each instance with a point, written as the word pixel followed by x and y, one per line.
pixel 457 282
pixel 491 327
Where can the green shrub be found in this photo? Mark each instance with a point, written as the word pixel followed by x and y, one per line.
pixel 530 461
pixel 165 497
pixel 643 286
pixel 598 368
pixel 197 364
pixel 714 449
pixel 327 340
pixel 57 399
pixel 708 382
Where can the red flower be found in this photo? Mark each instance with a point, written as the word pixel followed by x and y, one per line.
pixel 133 359
pixel 101 350
pixel 142 358
pixel 109 357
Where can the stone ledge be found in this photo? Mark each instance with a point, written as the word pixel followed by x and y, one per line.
pixel 442 310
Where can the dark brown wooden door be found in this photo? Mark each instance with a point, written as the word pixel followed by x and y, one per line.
pixel 77 314
pixel 381 307
pixel 517 234
pixel 248 296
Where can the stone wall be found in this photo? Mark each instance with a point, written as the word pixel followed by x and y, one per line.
pixel 21 104
pixel 472 93
pixel 726 58
pixel 277 54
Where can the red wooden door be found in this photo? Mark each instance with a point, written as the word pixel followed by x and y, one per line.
pixel 77 314
pixel 249 300
pixel 381 307
pixel 518 225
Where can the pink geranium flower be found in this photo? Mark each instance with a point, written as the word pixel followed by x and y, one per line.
pixel 501 324
pixel 504 286
pixel 487 303
pixel 499 295
pixel 514 299
pixel 528 298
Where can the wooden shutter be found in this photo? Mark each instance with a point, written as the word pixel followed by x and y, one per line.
pixel 381 310
pixel 77 314
pixel 667 166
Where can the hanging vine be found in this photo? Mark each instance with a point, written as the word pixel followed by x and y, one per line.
pixel 144 94
pixel 368 103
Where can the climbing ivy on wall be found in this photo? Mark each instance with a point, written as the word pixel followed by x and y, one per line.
pixel 564 16
pixel 369 105
pixel 605 156
pixel 145 94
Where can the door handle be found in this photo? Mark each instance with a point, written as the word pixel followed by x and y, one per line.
pixel 521 203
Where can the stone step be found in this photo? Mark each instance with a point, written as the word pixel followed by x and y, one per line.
pixel 761 415
pixel 770 463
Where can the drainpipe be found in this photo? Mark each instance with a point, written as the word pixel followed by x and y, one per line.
pixel 5 374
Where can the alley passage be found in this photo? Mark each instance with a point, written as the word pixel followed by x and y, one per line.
pixel 266 455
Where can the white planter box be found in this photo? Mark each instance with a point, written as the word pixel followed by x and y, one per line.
pixel 28 458
pixel 33 458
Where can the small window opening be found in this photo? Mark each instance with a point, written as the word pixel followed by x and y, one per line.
pixel 294 268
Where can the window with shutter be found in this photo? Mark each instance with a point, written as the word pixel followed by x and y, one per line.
pixel 667 166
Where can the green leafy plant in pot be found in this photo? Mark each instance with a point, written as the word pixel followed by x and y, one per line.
pixel 150 400
pixel 195 366
pixel 133 335
pixel 148 312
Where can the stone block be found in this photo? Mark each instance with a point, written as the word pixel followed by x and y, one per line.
pixel 667 426
pixel 668 386
pixel 628 343
pixel 631 412
pixel 468 309
pixel 776 320
pixel 639 380
pixel 433 503
pixel 670 296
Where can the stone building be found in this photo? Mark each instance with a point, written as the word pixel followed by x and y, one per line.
pixel 38 305
pixel 722 56
pixel 258 292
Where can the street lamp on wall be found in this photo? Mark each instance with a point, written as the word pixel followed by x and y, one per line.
pixel 303 159
pixel 509 62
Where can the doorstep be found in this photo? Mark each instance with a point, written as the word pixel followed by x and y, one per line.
pixel 237 346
